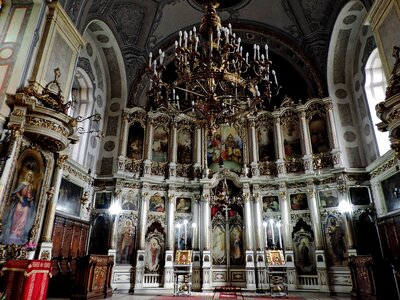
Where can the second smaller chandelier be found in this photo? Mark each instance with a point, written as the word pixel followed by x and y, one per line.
pixel 214 82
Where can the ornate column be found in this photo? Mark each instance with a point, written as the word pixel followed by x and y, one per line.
pixel 315 216
pixel 333 140
pixel 305 132
pixel 46 244
pixel 141 253
pixel 143 220
pixel 205 221
pixel 280 163
pixel 285 215
pixel 124 141
pixel 248 220
pixel 254 147
pixel 197 151
pixel 124 133
pixel 258 220
pixel 171 222
pixel 260 254
pixel 174 150
pixel 170 242
pixel 196 220
pixel 205 238
pixel 148 150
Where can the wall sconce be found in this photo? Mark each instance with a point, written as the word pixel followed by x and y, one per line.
pixel 99 133
pixel 95 117
pixel 396 193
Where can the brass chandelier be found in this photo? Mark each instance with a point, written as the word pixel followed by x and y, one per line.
pixel 215 83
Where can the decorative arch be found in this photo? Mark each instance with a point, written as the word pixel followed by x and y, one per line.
pixel 351 42
pixel 102 61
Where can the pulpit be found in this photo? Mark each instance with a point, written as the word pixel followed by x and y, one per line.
pixel 93 277
pixel 26 279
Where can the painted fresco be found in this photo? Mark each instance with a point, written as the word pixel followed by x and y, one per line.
pixel 20 210
pixel 328 198
pixel 225 148
pixel 135 142
pixel 298 201
pixel 160 145
pixel 291 140
pixel 335 241
pixel 184 147
pixel 391 191
pixel 270 203
pixel 266 147
pixel 319 135
pixel 69 197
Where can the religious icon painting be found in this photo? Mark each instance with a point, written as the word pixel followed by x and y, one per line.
pixel 298 201
pixel 359 195
pixel 103 200
pixel 335 239
pixel 225 148
pixel 20 210
pixel 160 145
pixel 328 198
pixel 266 149
pixel 391 191
pixel 69 197
pixel 270 204
pixel 319 135
pixel 125 241
pixel 183 205
pixel 183 257
pixel 130 200
pixel 275 257
pixel 157 203
pixel 292 140
pixel 184 147
pixel 135 142
pixel 154 252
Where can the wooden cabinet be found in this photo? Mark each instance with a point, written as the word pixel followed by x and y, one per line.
pixel 93 277
pixel 70 238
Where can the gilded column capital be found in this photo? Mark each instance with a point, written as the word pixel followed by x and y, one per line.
pixel 61 159
pixel 171 198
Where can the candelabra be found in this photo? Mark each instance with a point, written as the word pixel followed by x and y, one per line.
pixel 216 83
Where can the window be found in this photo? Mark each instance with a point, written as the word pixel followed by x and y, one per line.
pixel 375 87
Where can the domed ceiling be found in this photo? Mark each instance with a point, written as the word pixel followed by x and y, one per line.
pixel 297 32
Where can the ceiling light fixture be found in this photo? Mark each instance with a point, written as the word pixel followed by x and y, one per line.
pixel 215 82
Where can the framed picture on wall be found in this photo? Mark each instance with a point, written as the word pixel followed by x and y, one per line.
pixel 69 197
pixel 391 192
pixel 359 195
pixel 328 198
pixel 103 200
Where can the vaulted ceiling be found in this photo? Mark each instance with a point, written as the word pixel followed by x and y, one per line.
pixel 297 31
